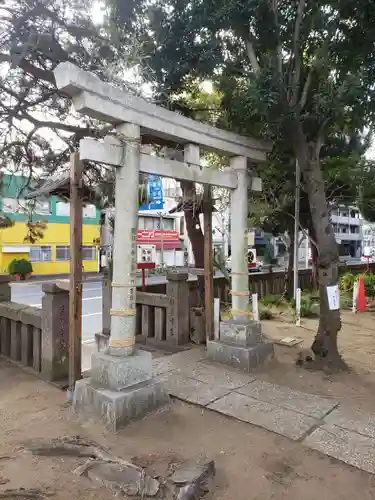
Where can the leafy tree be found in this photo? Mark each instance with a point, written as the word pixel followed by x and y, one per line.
pixel 297 72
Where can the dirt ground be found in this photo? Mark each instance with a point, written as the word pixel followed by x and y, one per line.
pixel 356 345
pixel 252 464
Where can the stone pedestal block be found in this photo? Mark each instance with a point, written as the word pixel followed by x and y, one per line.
pixel 241 332
pixel 117 408
pixel 245 358
pixel 120 389
pixel 115 373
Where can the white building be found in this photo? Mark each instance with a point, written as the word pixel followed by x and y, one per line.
pixel 347 227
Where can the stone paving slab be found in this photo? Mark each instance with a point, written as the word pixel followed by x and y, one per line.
pixel 273 418
pixel 217 376
pixel 308 404
pixel 353 420
pixel 342 444
pixel 191 390
pixel 181 360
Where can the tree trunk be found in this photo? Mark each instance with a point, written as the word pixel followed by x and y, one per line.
pixel 192 209
pixel 325 344
pixel 314 261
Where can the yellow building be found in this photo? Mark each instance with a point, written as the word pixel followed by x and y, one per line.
pixel 51 254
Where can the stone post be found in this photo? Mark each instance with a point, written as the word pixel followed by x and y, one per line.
pixel 178 316
pixel 239 212
pixel 5 290
pixel 55 332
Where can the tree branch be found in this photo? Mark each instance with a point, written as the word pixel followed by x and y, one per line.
pixel 29 68
pixel 296 51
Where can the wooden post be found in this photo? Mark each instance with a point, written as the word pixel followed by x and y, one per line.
pixel 208 263
pixel 75 295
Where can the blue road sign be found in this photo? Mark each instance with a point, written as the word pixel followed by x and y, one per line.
pixel 155 194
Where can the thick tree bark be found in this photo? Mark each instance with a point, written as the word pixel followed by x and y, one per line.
pixel 192 209
pixel 325 344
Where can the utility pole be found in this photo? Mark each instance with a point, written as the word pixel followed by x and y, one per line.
pixel 75 291
pixel 296 228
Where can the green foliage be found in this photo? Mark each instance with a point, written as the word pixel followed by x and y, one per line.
pixel 346 301
pixel 272 300
pixel 369 280
pixel 347 281
pixel 309 306
pixel 265 313
pixel 21 267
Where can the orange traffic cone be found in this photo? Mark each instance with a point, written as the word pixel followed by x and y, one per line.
pixel 361 295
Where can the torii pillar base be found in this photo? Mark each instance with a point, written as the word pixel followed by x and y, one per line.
pixel 120 390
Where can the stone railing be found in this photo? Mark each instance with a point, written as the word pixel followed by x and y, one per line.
pixel 162 319
pixel 36 339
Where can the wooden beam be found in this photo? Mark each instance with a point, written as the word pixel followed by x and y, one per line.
pixel 208 263
pixel 75 295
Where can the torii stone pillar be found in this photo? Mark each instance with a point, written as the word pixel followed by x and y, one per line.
pixel 122 340
pixel 240 343
pixel 121 387
pixel 239 211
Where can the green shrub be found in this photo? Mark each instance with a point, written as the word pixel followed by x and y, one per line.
pixel 347 282
pixel 265 313
pixel 271 300
pixel 309 306
pixel 346 301
pixel 369 284
pixel 22 267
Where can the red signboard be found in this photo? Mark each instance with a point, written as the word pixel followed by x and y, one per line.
pixel 155 234
pixel 171 239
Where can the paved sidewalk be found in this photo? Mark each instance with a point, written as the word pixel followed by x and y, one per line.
pixel 320 423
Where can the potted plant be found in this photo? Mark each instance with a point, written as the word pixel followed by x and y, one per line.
pixel 20 268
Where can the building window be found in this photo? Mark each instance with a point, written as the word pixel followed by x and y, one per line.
pixel 40 254
pixel 88 253
pixel 89 211
pixel 62 209
pixel 42 207
pixel 62 253
pixel 149 223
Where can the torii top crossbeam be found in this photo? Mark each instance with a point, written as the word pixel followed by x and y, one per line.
pixel 102 100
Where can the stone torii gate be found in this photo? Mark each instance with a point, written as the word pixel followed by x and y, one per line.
pixel 121 387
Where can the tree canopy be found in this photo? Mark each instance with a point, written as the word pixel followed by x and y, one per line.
pixel 298 72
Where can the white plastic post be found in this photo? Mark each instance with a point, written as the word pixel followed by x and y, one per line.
pixel 355 293
pixel 254 301
pixel 298 307
pixel 216 318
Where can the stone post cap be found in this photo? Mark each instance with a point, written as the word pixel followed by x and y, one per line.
pixel 53 288
pixel 5 278
pixel 176 276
